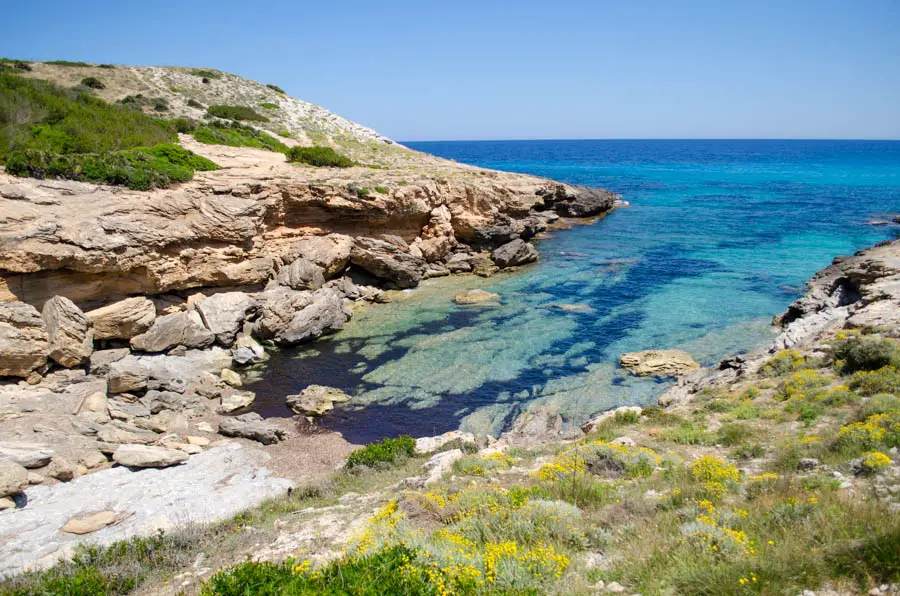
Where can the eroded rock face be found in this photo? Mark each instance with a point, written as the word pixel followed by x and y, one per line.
pixel 302 274
pixel 388 260
pixel 658 363
pixel 224 314
pixel 123 319
pixel 69 331
pixel 177 329
pixel 24 345
pixel 517 252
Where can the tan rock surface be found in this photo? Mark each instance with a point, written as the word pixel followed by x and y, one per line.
pixel 658 363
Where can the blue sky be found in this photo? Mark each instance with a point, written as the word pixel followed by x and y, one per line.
pixel 519 69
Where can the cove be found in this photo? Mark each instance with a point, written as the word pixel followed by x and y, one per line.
pixel 720 236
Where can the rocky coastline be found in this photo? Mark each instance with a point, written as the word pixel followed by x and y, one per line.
pixel 126 317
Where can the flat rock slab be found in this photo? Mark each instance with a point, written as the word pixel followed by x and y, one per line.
pixel 210 486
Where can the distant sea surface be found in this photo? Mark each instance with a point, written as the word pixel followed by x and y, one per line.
pixel 719 237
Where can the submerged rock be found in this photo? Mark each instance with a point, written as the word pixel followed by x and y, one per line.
pixel 316 400
pixel 476 297
pixel 24 344
pixel 69 332
pixel 658 363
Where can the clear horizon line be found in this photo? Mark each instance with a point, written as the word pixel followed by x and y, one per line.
pixel 508 140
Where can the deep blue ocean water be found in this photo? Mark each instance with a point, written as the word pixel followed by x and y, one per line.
pixel 719 237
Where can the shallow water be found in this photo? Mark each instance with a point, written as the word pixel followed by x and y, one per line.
pixel 720 236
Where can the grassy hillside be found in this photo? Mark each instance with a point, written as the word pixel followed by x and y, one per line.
pixel 770 485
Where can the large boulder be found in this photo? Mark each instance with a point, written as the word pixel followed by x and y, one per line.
pixel 102 359
pixel 24 344
pixel 389 260
pixel 302 274
pixel 293 317
pixel 123 319
pixel 146 456
pixel 251 426
pixel 177 329
pixel 127 374
pixel 13 477
pixel 27 455
pixel 517 252
pixel 658 363
pixel 166 372
pixel 316 400
pixel 69 332
pixel 539 426
pixel 224 314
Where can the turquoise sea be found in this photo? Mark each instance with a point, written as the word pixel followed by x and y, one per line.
pixel 719 237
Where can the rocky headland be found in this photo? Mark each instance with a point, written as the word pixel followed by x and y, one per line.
pixel 127 316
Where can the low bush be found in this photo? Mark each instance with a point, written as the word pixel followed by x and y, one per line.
pixel 7 64
pixel 883 380
pixel 236 113
pixel 277 89
pixel 183 125
pixel 138 169
pixel 386 452
pixel 237 135
pixel 783 362
pixel 319 156
pixel 38 115
pixel 206 74
pixel 67 63
pixel 866 354
pixel 387 572
pixel 194 103
pixel 269 106
pixel 93 83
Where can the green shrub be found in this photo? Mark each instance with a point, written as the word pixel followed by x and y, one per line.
pixel 866 353
pixel 206 74
pixel 160 104
pixel 269 106
pixel 881 403
pixel 687 434
pixel 387 572
pixel 183 125
pixel 138 169
pixel 236 113
pixel 194 103
pixel 385 452
pixel 67 63
pixel 381 190
pixel 107 66
pixel 38 115
pixel 782 363
pixel 93 83
pixel 875 558
pixel 734 434
pixel 237 135
pixel 319 156
pixel 6 63
pixel 277 89
pixel 883 380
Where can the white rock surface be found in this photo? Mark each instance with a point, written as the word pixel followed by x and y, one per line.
pixel 213 485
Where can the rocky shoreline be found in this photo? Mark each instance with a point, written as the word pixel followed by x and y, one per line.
pixel 126 318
